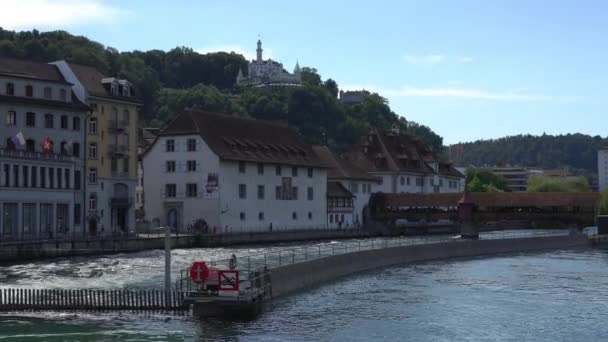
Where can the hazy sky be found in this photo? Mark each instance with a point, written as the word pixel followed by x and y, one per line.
pixel 468 69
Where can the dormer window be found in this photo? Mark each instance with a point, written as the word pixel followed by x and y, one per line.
pixel 29 91
pixel 114 88
pixel 125 90
pixel 48 93
pixel 63 95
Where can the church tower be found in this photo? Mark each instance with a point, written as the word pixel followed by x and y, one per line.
pixel 259 51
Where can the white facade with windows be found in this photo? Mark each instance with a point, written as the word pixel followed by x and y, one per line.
pixel 186 181
pixel 602 168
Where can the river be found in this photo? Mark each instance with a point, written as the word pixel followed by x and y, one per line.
pixel 553 296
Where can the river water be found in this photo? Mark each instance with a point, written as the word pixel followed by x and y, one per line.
pixel 553 296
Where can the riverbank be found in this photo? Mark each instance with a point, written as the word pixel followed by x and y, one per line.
pixel 18 251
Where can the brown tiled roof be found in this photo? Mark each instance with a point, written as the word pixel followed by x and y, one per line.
pixel 31 70
pixel 500 199
pixel 91 78
pixel 75 104
pixel 342 168
pixel 391 152
pixel 336 189
pixel 236 138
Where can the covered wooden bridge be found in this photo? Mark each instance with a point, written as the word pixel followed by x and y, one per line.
pixel 569 208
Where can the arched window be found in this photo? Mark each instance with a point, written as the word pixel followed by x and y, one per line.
pixel 29 90
pixel 30 145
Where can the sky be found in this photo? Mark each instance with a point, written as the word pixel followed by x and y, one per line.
pixel 469 69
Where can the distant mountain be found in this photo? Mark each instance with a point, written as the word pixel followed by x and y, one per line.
pixel 573 151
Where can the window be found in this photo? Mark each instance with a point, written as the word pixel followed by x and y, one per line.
pixel 191 190
pixel 242 216
pixel 77 213
pixel 11 118
pixel 402 180
pixel 48 93
pixel 261 192
pixel 125 165
pixel 170 145
pixel 310 193
pixel 278 192
pixel 76 149
pixel 29 90
pixel 43 177
pixel 62 218
pixel 10 89
pixel 63 95
pixel 29 218
pixel 30 119
pixel 125 117
pixel 67 178
pixel 64 122
pixel 408 180
pixel 34 176
pixel 191 145
pixel 59 178
pixel 364 188
pixel 15 175
pixel 419 181
pixel 93 175
pixel 93 150
pixel 355 187
pixel 51 178
pixel 310 172
pixel 310 215
pixel 170 165
pixel 76 180
pixel 294 171
pixel 30 145
pixel 76 123
pixel 242 191
pixel 114 164
pixel 191 165
pixel 170 190
pixel 331 218
pixel 93 125
pixel 10 219
pixel 242 167
pixel 260 169
pixel 278 170
pixel 294 193
pixel 440 182
pixel 48 120
pixel 294 215
pixel 261 216
pixel 25 170
pixel 93 201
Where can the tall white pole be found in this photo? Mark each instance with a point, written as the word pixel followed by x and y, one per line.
pixel 167 264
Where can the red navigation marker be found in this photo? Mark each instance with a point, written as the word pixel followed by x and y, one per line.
pixel 199 272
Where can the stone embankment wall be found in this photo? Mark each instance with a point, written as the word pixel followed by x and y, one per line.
pixel 299 276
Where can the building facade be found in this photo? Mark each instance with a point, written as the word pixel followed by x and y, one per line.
pixel 353 96
pixel 41 153
pixel 355 180
pixel 233 173
pixel 340 206
pixel 602 169
pixel 267 72
pixel 404 164
pixel 145 139
pixel 111 147
pixel 516 178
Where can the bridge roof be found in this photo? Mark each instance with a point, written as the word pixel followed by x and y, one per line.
pixel 484 199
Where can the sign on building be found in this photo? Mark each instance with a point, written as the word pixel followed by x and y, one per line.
pixel 212 186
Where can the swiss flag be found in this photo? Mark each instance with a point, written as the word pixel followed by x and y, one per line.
pixel 46 145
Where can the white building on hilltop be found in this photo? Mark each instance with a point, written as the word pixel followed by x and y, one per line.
pixel 233 173
pixel 267 72
pixel 602 168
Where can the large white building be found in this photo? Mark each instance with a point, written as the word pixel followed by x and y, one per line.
pixel 349 189
pixel 41 153
pixel 404 163
pixel 267 72
pixel 233 173
pixel 602 168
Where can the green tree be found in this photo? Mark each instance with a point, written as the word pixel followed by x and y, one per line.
pixel 557 184
pixel 603 207
pixel 483 180
pixel 332 87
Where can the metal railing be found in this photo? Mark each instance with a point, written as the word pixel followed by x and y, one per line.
pixel 24 154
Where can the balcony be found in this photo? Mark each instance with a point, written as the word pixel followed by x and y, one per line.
pixel 118 149
pixel 121 201
pixel 23 154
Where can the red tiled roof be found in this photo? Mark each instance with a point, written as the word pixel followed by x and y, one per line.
pixel 342 168
pixel 237 138
pixel 31 70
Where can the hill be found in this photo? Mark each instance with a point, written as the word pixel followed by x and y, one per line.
pixel 169 81
pixel 573 151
